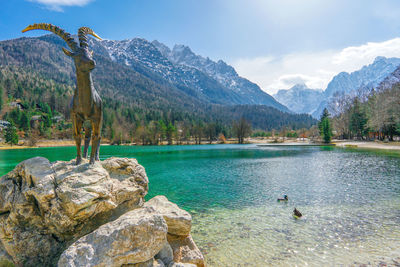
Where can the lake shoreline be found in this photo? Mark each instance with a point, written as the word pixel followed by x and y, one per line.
pixel 374 145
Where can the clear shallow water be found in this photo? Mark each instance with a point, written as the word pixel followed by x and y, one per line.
pixel 350 200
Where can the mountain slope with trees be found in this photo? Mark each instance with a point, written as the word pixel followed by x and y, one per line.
pixel 36 76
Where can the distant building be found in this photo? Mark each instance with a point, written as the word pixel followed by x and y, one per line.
pixel 17 104
pixel 4 124
pixel 58 118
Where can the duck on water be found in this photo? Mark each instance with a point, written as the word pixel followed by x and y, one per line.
pixel 284 199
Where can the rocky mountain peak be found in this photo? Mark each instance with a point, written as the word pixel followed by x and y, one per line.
pixel 165 50
pixel 216 81
pixel 300 98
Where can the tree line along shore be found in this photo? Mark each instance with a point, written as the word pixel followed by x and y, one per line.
pixel 31 114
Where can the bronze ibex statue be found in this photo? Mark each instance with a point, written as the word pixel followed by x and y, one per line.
pixel 86 103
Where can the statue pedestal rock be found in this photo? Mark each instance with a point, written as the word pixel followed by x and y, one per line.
pixel 61 214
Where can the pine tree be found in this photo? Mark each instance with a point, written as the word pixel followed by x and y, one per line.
pixel 11 135
pixel 1 98
pixel 170 132
pixel 324 126
pixel 326 131
pixel 325 114
pixel 24 122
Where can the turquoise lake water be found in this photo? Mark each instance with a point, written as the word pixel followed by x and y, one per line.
pixel 350 200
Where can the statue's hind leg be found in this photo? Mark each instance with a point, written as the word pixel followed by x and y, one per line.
pixel 95 140
pixel 88 134
pixel 98 145
pixel 77 127
pixel 98 150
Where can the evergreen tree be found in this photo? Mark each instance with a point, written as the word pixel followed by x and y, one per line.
pixel 325 114
pixel 11 135
pixel 170 132
pixel 1 98
pixel 325 127
pixel 24 122
pixel 14 116
pixel 326 130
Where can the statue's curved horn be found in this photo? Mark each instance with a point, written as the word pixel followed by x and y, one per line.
pixel 54 29
pixel 82 32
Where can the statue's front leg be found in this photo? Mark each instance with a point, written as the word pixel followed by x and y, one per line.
pixel 88 134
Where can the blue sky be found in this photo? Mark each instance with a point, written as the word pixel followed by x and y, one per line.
pixel 273 43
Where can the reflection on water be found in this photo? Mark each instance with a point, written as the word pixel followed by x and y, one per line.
pixel 350 200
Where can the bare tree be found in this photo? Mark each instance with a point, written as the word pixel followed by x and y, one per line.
pixel 242 129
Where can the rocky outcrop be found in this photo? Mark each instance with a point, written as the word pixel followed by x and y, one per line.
pixel 91 215
pixel 46 206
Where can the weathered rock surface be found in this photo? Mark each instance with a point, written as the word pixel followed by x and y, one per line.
pixel 180 264
pixel 46 206
pixel 178 220
pixel 133 238
pixel 166 254
pixel 185 250
pixel 5 259
pixel 149 263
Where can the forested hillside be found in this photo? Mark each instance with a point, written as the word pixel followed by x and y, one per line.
pixel 37 82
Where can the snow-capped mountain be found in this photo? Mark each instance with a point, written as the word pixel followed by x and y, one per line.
pixel 369 76
pixel 216 82
pixel 300 98
pixel 381 74
pixel 390 80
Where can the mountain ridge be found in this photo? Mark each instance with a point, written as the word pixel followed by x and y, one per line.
pixel 215 81
pixel 367 77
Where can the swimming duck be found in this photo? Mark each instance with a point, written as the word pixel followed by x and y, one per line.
pixel 297 214
pixel 285 198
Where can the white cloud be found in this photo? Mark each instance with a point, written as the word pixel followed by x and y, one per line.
pixel 57 5
pixel 315 69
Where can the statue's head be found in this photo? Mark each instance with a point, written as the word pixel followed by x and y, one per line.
pixel 83 59
pixel 80 53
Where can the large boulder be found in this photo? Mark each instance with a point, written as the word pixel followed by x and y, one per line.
pixel 134 238
pixel 46 206
pixel 178 220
